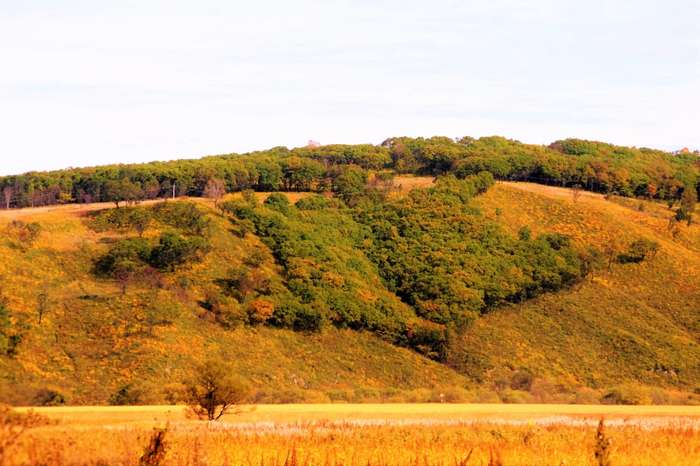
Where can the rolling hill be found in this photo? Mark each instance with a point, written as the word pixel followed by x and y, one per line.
pixel 624 333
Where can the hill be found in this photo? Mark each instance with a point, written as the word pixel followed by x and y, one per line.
pixel 633 323
pixel 309 302
pixel 93 339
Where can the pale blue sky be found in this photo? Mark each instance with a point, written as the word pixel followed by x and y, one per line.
pixel 92 82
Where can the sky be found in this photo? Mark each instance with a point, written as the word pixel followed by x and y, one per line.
pixel 93 82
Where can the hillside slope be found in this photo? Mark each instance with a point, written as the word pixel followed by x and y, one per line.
pixel 624 333
pixel 92 340
pixel 630 323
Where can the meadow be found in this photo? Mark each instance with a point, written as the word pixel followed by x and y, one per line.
pixel 368 434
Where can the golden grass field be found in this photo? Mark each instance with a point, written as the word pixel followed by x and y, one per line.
pixel 368 434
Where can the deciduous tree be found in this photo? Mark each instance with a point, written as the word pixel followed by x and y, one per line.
pixel 214 389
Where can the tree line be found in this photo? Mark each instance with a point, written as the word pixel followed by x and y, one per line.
pixel 595 166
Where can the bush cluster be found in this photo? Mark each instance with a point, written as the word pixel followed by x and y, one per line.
pixel 438 254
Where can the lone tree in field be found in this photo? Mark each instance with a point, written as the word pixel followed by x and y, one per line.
pixel 214 390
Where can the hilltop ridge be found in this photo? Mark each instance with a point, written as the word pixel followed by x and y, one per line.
pixel 592 165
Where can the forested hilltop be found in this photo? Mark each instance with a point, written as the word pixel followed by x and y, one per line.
pixel 593 166
pixel 362 281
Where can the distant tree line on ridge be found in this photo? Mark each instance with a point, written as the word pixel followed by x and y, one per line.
pixel 595 166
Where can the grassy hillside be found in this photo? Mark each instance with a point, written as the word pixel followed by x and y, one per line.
pixel 93 340
pixel 628 324
pixel 624 333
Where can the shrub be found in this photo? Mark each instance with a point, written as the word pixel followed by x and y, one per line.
pixel 485 395
pixel 133 218
pixel 126 395
pixel 291 395
pixel 26 233
pixel 224 310
pixel 450 395
pixel 429 339
pixel 154 453
pixel 14 425
pixel 557 241
pixel 278 202
pixel 515 396
pixel 10 338
pixel 256 258
pixel 300 317
pixel 525 234
pixel 47 397
pixel 626 395
pixel 418 395
pixel 122 253
pixel 521 380
pixel 174 250
pixel 587 396
pixel 639 251
pixel 260 310
pixel 316 202
pixel 130 258
pixel 243 283
pixel 183 215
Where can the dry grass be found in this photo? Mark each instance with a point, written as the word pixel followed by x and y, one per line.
pixel 369 435
pixel 299 413
pixel 68 209
pixel 407 183
pixel 261 196
pixel 628 324
pixel 31 213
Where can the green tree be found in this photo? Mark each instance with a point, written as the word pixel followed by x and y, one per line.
pixel 638 251
pixel 278 202
pixel 174 250
pixel 122 190
pixel 350 183
pixel 127 251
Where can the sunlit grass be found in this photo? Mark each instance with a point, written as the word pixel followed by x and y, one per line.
pixel 424 434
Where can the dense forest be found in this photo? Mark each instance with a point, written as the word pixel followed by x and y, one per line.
pixel 594 166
